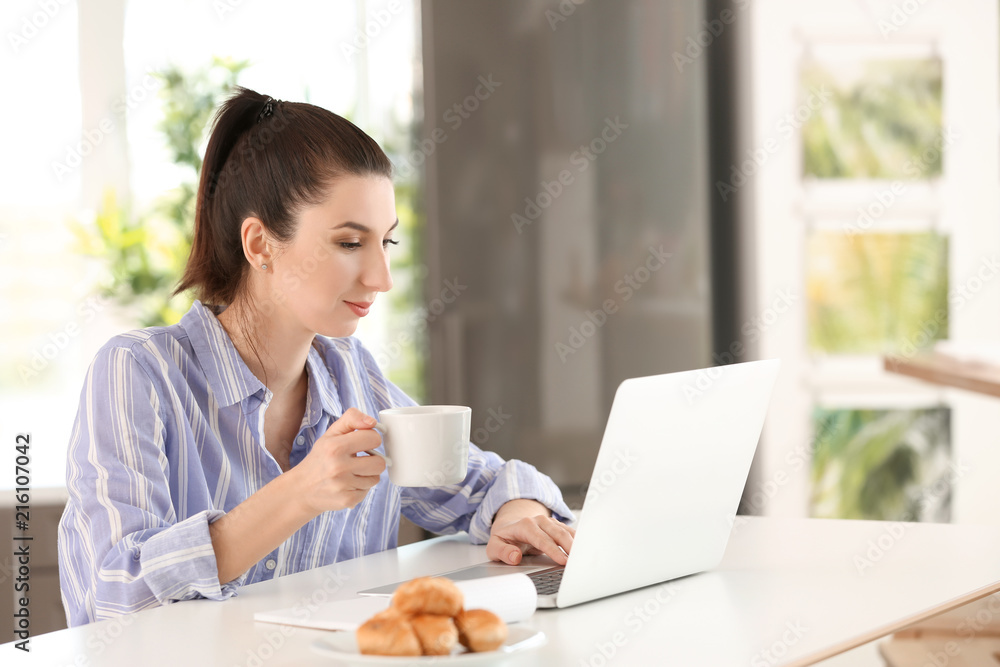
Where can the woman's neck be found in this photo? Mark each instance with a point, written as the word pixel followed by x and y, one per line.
pixel 282 352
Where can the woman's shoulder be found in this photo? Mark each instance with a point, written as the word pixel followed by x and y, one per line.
pixel 144 345
pixel 131 364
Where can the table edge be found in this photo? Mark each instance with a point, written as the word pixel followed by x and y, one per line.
pixel 887 630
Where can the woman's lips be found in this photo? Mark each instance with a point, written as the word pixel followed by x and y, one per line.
pixel 360 308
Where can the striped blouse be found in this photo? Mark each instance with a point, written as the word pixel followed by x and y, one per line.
pixel 169 437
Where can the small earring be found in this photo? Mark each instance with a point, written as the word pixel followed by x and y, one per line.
pixel 263 266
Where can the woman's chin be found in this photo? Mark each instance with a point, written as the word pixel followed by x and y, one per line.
pixel 339 330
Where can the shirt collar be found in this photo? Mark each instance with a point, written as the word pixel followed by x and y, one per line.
pixel 225 371
pixel 323 394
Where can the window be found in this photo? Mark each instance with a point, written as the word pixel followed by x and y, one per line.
pixel 877 203
pixel 43 306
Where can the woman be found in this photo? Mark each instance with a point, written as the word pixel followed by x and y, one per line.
pixel 227 449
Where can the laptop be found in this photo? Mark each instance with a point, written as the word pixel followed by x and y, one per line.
pixel 662 499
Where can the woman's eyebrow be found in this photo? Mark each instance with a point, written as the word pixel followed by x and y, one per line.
pixel 362 228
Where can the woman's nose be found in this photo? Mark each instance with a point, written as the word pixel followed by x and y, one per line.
pixel 377 275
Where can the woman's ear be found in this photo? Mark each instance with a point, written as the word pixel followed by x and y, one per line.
pixel 255 246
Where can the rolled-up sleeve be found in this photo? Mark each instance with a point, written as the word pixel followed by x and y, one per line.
pixel 472 504
pixel 121 545
pixel 490 482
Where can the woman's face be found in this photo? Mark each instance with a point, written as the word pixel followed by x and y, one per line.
pixel 338 261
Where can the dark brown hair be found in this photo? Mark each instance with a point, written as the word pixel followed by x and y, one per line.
pixel 267 159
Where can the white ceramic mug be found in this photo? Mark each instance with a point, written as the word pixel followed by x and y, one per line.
pixel 427 444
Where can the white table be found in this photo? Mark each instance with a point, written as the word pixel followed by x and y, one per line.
pixel 788 592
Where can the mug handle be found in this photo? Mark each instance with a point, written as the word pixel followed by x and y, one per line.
pixel 371 452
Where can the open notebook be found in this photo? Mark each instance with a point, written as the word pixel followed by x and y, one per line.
pixel 512 597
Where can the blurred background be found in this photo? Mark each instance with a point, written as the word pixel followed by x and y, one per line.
pixel 588 191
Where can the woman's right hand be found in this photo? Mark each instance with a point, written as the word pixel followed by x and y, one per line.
pixel 332 476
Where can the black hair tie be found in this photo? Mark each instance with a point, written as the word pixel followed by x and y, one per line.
pixel 268 108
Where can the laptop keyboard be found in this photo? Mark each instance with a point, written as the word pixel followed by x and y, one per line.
pixel 547 581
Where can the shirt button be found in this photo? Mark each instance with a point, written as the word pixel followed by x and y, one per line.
pixel 270 564
pixel 300 440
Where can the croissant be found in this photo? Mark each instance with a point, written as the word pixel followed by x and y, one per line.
pixel 437 634
pixel 426 618
pixel 428 595
pixel 388 634
pixel 480 630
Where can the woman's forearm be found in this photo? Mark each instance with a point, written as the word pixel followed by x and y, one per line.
pixel 255 527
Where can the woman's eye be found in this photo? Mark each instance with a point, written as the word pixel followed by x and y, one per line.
pixel 354 245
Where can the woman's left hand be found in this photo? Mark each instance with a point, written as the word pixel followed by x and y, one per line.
pixel 525 526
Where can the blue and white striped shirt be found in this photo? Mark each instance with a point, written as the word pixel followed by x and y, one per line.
pixel 169 437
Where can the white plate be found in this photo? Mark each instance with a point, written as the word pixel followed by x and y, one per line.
pixel 342 645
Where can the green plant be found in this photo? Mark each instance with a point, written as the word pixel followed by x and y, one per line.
pixel 146 252
pixel 876 293
pixel 879 464
pixel 883 120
